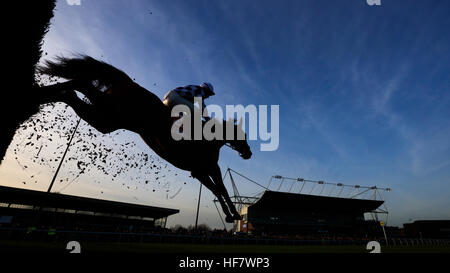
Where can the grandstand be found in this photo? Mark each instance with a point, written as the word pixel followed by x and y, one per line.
pixel 281 212
pixel 436 229
pixel 21 208
pixel 309 208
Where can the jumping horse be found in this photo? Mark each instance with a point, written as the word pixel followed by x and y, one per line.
pixel 115 102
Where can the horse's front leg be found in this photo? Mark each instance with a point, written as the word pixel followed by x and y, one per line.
pixel 216 176
pixel 206 180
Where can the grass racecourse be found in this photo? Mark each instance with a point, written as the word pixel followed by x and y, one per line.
pixel 25 246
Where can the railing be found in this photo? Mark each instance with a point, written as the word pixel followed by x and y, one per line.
pixel 130 237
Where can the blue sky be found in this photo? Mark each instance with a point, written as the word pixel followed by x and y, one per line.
pixel 363 90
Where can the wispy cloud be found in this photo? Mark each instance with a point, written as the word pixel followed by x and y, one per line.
pixel 362 97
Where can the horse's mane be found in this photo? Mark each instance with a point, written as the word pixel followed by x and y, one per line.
pixel 83 67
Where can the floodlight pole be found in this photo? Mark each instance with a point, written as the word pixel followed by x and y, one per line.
pixel 198 204
pixel 384 232
pixel 64 155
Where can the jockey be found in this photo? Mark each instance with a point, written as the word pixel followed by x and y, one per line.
pixel 185 95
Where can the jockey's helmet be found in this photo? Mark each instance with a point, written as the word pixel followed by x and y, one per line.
pixel 209 89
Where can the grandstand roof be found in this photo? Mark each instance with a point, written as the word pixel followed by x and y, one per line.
pixel 273 200
pixel 62 201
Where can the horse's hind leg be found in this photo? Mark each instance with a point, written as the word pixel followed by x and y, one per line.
pixel 89 113
pixel 206 180
pixel 93 94
pixel 55 92
pixel 64 92
pixel 60 91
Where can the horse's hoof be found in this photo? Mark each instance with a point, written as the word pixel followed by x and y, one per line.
pixel 229 219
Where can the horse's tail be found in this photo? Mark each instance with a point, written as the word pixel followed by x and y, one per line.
pixel 83 67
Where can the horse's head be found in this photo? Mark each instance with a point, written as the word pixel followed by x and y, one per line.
pixel 239 141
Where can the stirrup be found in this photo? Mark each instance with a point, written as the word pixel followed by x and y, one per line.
pixel 237 217
pixel 229 219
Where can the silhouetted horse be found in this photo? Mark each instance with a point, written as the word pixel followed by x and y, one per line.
pixel 117 102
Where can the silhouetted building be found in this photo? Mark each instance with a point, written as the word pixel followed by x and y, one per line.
pixel 26 208
pixel 291 213
pixel 428 229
